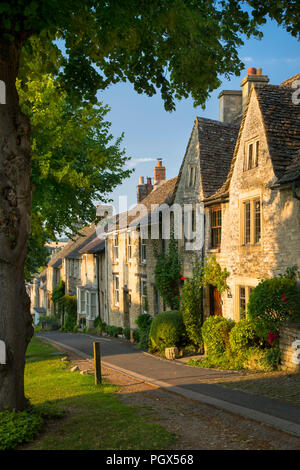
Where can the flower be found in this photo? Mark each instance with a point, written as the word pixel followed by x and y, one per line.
pixel 272 337
pixel 284 298
pixel 182 278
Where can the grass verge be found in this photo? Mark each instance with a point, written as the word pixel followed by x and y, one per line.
pixel 92 417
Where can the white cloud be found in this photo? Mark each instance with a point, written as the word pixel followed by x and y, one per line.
pixel 136 161
pixel 247 59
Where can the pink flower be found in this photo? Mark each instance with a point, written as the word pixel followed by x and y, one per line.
pixel 284 298
pixel 182 278
pixel 272 337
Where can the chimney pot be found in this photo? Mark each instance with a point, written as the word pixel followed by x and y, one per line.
pixel 259 71
pixel 141 180
pixel 159 173
pixel 149 181
pixel 252 71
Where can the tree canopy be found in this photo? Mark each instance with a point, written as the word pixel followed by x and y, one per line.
pixel 179 47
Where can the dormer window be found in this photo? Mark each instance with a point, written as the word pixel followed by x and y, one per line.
pixel 191 176
pixel 251 155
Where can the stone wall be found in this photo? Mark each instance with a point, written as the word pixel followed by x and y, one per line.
pixel 290 358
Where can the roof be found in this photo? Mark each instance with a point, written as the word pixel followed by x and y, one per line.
pixel 281 119
pixel 291 80
pixel 216 142
pixel 282 125
pixel 163 194
pixel 72 247
pixel 86 235
pixel 97 244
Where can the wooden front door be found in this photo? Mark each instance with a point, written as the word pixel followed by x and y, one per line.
pixel 215 302
pixel 126 307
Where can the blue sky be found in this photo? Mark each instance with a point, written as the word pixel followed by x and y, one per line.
pixel 151 132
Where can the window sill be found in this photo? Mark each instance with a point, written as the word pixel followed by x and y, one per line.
pixel 214 250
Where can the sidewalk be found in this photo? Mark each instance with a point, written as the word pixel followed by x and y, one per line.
pixel 184 380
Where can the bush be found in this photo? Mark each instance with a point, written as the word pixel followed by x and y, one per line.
pixel 167 330
pixel 215 332
pixel 113 331
pixel 18 427
pixel 192 309
pixel 98 324
pixel 242 336
pixel 126 332
pixel 70 304
pixel 75 329
pixel 48 323
pixel 272 302
pixel 144 321
pixel 136 335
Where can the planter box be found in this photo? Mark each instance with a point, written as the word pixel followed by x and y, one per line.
pixel 171 353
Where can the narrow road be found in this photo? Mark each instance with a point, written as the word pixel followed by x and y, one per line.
pixel 185 380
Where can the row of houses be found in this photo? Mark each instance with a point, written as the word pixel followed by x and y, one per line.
pixel 239 179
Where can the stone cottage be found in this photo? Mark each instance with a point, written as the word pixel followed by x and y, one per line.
pixel 255 233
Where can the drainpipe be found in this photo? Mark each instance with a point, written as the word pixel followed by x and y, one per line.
pixel 98 283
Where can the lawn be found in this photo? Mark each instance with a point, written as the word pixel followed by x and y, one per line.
pixel 92 417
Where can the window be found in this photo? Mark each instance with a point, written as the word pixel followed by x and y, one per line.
pixel 216 226
pixel 247 218
pixel 251 155
pixel 116 248
pixel 93 305
pixel 82 300
pixel 257 221
pixel 144 303
pixel 143 247
pixel 251 222
pixel 191 176
pixel 242 302
pixel 189 228
pixel 116 289
pixel 129 246
pixel 244 293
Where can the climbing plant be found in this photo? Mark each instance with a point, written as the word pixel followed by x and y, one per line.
pixel 168 273
pixel 213 274
pixel 192 305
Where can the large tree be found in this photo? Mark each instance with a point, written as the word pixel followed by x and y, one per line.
pixel 75 160
pixel 177 46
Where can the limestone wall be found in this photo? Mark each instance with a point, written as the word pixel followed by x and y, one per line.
pixel 290 351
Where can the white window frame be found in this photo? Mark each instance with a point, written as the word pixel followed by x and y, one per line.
pixel 129 246
pixel 143 250
pixel 143 290
pixel 116 286
pixel 116 248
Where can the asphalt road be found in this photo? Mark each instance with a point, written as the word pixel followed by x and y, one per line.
pixel 187 380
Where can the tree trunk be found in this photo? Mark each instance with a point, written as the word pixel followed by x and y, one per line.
pixel 15 200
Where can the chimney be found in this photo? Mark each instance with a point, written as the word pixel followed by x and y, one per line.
pixel 143 189
pixel 159 173
pixel 255 78
pixel 230 105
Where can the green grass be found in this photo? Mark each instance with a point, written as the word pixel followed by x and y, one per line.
pixel 93 417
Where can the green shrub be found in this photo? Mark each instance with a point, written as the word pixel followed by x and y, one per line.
pixel 126 332
pixel 113 331
pixel 271 359
pixel 272 302
pixel 98 323
pixel 144 321
pixel 192 308
pixel 215 332
pixel 85 329
pixel 75 329
pixel 167 330
pixel 242 336
pixel 70 304
pixel 48 322
pixel 136 335
pixel 18 427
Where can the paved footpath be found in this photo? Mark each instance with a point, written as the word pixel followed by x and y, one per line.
pixel 185 380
